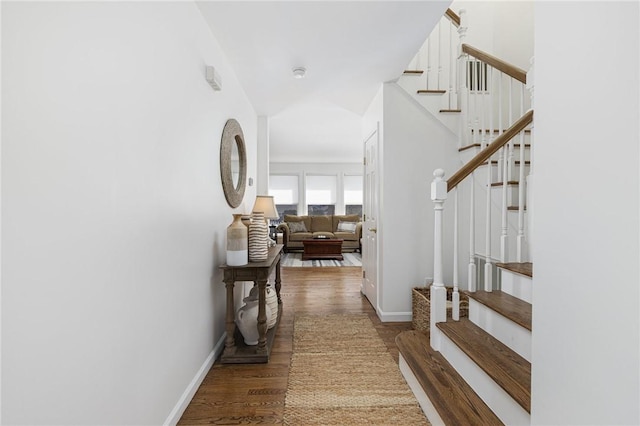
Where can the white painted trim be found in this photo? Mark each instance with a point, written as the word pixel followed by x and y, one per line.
pixel 395 316
pixel 516 337
pixel 423 399
pixel 498 400
pixel 191 389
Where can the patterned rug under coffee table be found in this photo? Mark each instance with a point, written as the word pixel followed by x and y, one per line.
pixel 295 260
pixel 342 374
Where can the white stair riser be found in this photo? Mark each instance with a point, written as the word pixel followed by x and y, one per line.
pixel 514 336
pixel 517 285
pixel 423 399
pixel 500 402
pixel 512 194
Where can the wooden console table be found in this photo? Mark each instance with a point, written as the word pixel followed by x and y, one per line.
pixel 235 350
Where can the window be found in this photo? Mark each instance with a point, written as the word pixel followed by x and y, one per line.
pixel 353 195
pixel 321 194
pixel 284 189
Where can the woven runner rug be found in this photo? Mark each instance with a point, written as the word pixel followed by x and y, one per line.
pixel 294 259
pixel 342 374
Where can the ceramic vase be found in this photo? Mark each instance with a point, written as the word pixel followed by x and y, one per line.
pixel 258 238
pixel 272 302
pixel 247 320
pixel 237 243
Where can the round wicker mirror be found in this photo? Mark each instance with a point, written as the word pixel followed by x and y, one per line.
pixel 233 163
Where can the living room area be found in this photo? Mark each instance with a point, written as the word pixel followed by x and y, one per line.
pixel 319 208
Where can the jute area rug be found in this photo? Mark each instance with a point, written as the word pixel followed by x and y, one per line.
pixel 342 374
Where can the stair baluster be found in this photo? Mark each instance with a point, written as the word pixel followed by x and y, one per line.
pixel 504 234
pixel 487 266
pixel 521 185
pixel 455 298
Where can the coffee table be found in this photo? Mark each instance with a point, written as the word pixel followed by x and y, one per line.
pixel 318 248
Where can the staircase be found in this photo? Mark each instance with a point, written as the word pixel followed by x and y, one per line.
pixel 477 370
pixel 482 373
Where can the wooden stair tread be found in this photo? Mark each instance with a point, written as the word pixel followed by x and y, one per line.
pixel 515 208
pixel 430 92
pixel 452 397
pixel 496 130
pixel 517 310
pixel 495 162
pixel 522 268
pixel 508 369
pixel 413 72
pixel 450 110
pixel 511 182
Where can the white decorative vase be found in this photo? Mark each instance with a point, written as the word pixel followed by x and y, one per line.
pixel 237 244
pixel 258 238
pixel 247 320
pixel 272 302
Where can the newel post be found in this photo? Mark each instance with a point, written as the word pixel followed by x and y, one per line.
pixel 438 293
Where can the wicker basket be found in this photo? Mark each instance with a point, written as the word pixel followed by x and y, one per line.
pixel 420 303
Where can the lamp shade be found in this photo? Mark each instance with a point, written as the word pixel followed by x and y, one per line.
pixel 265 204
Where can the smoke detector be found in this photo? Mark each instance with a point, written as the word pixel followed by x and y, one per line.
pixel 299 72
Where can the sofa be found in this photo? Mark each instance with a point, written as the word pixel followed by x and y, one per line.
pixel 297 228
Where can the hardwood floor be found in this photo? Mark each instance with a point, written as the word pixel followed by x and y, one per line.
pixel 255 393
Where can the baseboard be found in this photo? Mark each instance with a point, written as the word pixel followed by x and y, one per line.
pixel 192 388
pixel 394 316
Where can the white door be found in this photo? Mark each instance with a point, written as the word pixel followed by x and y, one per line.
pixel 370 212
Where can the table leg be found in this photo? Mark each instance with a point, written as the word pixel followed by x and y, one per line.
pixel 230 343
pixel 262 317
pixel 278 281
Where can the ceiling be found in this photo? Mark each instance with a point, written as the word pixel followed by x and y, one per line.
pixel 348 48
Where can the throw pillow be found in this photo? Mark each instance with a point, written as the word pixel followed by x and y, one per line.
pixel 347 227
pixel 297 227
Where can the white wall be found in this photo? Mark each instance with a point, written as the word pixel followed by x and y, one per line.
pixel 490 21
pixel 586 274
pixel 413 145
pixel 113 216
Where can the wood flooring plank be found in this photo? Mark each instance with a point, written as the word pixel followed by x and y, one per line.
pixel 253 394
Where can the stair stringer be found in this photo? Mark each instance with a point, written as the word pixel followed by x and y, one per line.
pixel 423 399
pixel 432 103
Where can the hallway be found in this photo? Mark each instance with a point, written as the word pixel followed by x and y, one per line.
pixel 255 394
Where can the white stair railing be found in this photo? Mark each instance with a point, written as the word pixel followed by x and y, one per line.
pixel 438 56
pixel 486 91
pixel 439 189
